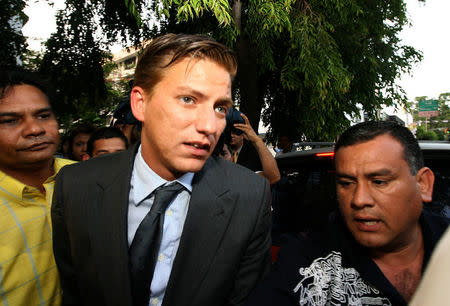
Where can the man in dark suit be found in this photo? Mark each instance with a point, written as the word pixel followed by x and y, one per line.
pixel 214 242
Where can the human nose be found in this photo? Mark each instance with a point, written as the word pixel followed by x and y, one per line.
pixel 33 128
pixel 207 121
pixel 362 196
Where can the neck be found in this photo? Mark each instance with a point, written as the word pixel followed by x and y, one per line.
pixel 34 176
pixel 403 267
pixel 403 255
pixel 237 147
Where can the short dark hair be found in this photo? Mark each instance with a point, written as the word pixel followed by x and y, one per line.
pixel 82 128
pixel 165 50
pixel 365 131
pixel 105 133
pixel 11 76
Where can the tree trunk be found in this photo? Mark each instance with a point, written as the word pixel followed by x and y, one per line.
pixel 250 100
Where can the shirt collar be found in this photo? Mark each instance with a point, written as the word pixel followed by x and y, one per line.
pixel 18 190
pixel 145 180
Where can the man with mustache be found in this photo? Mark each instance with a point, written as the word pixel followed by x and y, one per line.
pixel 28 140
pixel 209 244
pixel 376 247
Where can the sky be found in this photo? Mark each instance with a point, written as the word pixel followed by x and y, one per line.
pixel 428 33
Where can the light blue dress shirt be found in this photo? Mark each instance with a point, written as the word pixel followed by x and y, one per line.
pixel 143 182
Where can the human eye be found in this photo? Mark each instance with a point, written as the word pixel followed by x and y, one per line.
pixel 8 121
pixel 221 109
pixel 187 100
pixel 379 182
pixel 45 115
pixel 343 183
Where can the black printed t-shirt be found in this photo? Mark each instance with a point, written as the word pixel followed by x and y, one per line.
pixel 331 268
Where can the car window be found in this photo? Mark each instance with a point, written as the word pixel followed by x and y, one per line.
pixel 441 192
pixel 306 194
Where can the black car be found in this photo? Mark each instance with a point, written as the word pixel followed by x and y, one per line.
pixel 306 193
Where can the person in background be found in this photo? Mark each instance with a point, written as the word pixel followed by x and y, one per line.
pixel 28 141
pixel 78 139
pixel 164 223
pixel 249 150
pixel 226 153
pixel 375 248
pixel 125 121
pixel 105 140
pixel 285 145
pixel 63 151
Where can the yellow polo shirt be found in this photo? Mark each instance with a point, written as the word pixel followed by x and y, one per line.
pixel 28 274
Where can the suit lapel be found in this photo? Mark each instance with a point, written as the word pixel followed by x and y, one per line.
pixel 109 235
pixel 210 209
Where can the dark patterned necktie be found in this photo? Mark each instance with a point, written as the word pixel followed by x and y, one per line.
pixel 146 242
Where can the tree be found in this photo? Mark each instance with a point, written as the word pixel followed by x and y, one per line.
pixel 423 134
pixel 307 63
pixel 73 60
pixel 438 123
pixel 11 21
pixel 76 55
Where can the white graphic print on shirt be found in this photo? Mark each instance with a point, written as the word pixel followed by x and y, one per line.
pixel 326 282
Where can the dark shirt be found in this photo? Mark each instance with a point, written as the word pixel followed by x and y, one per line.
pixel 331 268
pixel 249 158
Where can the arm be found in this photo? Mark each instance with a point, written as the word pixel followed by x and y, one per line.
pixel 61 247
pixel 269 165
pixel 256 260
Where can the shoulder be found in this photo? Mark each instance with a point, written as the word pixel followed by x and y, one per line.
pixel 106 167
pixel 248 192
pixel 233 174
pixel 62 162
pixel 433 225
pixel 303 261
pixel 298 250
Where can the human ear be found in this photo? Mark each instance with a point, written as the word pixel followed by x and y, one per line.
pixel 137 103
pixel 425 182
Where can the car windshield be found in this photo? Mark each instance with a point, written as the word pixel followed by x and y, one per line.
pixel 305 195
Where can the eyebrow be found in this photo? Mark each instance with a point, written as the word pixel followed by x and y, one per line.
pixel 381 172
pixel 14 114
pixel 199 94
pixel 342 175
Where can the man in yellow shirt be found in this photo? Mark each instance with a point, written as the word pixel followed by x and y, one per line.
pixel 28 140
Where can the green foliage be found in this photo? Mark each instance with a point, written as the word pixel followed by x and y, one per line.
pixel 318 59
pixel 191 9
pixel 440 122
pixel 423 134
pixel 338 54
pixel 73 61
pixel 32 60
pixel 308 63
pixel 11 20
pixel 133 11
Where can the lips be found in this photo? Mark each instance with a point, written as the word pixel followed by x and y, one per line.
pixel 199 148
pixel 36 146
pixel 367 224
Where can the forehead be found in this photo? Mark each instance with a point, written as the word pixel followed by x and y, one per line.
pixel 195 67
pixel 82 136
pixel 383 149
pixel 106 142
pixel 22 98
